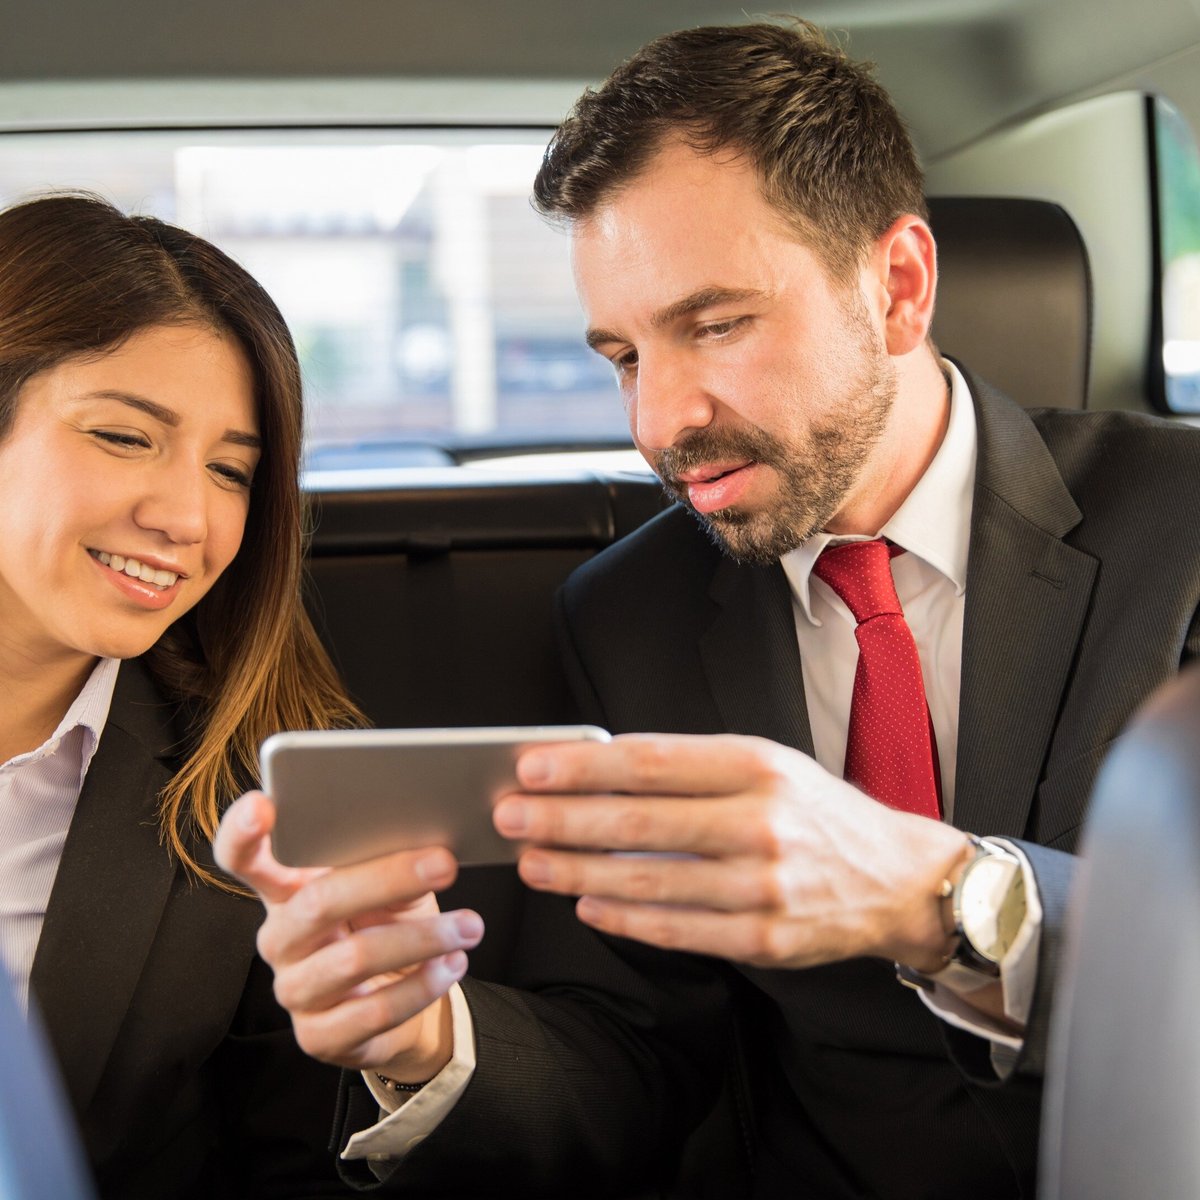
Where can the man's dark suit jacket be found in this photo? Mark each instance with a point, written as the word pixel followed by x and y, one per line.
pixel 181 1069
pixel 1082 593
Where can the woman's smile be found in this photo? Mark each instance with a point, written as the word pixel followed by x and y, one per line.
pixel 139 582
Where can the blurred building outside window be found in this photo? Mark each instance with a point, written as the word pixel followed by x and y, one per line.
pixel 1179 220
pixel 433 309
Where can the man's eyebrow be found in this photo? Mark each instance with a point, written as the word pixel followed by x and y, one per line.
pixel 601 337
pixel 169 417
pixel 704 298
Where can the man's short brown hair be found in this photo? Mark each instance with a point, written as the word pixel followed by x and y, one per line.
pixel 832 152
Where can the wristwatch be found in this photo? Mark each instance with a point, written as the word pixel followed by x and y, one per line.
pixel 987 905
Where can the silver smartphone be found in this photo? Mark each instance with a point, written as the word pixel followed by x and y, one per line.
pixel 346 795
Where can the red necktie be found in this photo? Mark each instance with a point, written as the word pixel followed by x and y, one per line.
pixel 890 752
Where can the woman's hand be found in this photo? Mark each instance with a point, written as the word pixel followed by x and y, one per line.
pixel 362 957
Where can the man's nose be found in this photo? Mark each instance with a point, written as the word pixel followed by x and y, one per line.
pixel 671 402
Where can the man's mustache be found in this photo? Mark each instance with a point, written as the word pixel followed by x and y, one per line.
pixel 708 446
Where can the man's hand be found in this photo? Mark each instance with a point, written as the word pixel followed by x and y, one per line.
pixel 741 848
pixel 362 957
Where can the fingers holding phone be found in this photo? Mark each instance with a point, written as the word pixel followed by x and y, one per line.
pixel 362 956
pixel 361 820
pixel 363 960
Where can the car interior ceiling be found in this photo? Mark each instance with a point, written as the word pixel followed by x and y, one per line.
pixel 435 597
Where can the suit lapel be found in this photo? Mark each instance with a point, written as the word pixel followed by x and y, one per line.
pixel 110 890
pixel 1027 598
pixel 749 655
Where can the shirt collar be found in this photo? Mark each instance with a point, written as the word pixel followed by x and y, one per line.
pixel 934 522
pixel 90 708
pixel 88 713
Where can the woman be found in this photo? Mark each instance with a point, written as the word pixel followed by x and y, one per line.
pixel 151 635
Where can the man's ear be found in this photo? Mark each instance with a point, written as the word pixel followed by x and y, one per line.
pixel 905 266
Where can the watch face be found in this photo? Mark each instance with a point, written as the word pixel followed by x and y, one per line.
pixel 992 905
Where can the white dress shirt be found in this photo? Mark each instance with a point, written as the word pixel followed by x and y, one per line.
pixel 404 1127
pixel 934 526
pixel 38 794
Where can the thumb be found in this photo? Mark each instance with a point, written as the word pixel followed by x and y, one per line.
pixel 243 848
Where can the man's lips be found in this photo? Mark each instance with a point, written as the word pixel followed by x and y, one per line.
pixel 717 485
pixel 709 472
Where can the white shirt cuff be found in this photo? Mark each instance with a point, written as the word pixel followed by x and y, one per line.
pixel 1018 976
pixel 396 1133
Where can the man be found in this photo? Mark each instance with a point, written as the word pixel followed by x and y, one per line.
pixel 967 587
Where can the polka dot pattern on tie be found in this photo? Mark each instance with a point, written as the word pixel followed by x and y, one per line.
pixel 890 751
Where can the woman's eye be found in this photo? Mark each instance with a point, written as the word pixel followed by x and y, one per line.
pixel 231 474
pixel 129 441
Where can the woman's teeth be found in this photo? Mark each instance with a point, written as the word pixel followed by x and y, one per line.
pixel 135 569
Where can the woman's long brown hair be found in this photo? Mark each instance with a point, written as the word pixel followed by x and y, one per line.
pixel 78 277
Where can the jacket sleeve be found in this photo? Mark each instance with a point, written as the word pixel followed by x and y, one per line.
pixel 589 1075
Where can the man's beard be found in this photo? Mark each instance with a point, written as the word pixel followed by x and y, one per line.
pixel 815 476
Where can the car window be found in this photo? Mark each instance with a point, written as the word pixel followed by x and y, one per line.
pixel 432 308
pixel 1178 175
